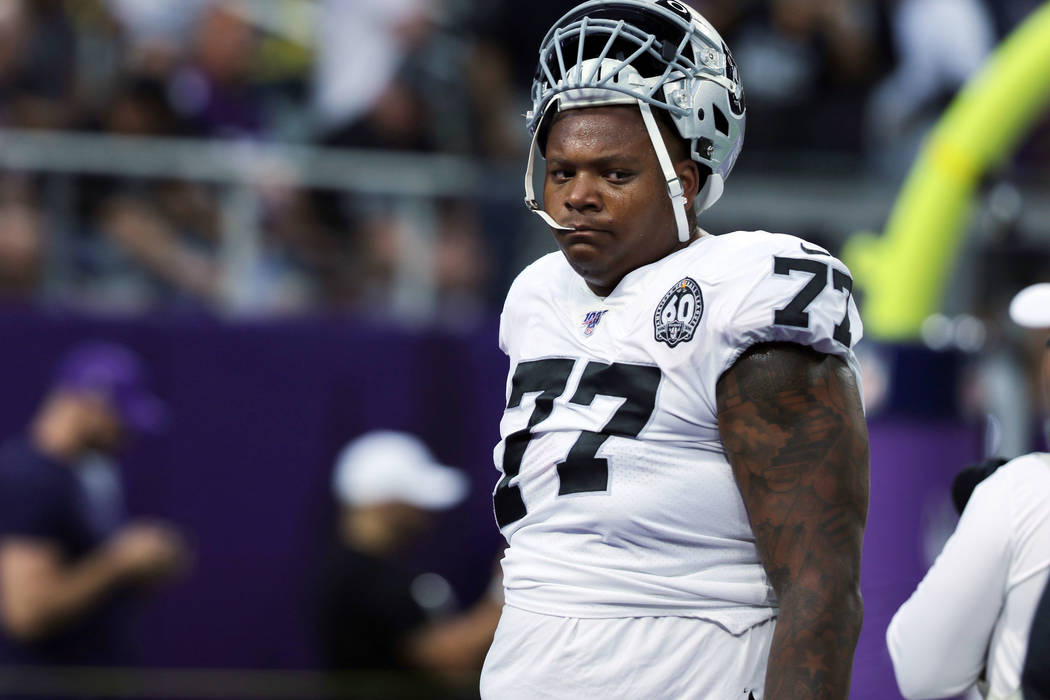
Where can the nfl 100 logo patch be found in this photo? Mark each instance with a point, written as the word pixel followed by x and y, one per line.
pixel 591 321
pixel 678 313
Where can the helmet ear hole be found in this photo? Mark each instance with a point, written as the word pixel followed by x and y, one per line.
pixel 721 121
pixel 700 115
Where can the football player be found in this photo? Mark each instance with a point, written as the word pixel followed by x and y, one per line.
pixel 684 456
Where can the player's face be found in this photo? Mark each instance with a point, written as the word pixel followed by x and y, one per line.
pixel 603 179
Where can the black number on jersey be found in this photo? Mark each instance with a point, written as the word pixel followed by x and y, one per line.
pixel 581 471
pixel 794 314
pixel 841 281
pixel 549 377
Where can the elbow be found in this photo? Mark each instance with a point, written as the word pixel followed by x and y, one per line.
pixel 25 618
pixel 848 607
pixel 920 675
pixel 24 625
pixel 914 689
pixel 917 684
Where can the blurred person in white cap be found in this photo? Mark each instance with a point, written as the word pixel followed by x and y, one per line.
pixel 981 615
pixel 375 613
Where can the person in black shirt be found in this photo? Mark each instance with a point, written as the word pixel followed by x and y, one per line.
pixel 374 613
pixel 70 566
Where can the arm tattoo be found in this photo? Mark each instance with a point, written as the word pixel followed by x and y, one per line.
pixel 794 432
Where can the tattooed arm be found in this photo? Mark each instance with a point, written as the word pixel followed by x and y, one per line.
pixel 794 432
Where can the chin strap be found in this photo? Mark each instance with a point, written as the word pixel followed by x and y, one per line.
pixel 674 186
pixel 530 192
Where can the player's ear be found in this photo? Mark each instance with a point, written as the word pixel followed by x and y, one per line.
pixel 691 178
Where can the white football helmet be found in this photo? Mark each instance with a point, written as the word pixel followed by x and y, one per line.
pixel 652 53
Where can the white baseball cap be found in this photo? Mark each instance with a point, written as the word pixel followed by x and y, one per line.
pixel 387 466
pixel 1031 306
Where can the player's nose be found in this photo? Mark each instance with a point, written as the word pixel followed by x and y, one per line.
pixel 583 193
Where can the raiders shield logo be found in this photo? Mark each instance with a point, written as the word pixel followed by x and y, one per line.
pixel 678 313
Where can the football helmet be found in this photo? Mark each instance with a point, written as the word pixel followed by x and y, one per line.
pixel 654 54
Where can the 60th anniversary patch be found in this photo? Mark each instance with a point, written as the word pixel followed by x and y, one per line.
pixel 678 313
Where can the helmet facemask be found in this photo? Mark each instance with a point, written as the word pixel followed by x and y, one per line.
pixel 639 52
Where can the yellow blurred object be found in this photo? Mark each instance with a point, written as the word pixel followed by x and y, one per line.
pixel 905 271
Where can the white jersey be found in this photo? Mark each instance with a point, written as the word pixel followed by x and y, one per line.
pixel 972 612
pixel 617 499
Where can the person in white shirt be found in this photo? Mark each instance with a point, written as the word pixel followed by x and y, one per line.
pixel 970 618
pixel 684 459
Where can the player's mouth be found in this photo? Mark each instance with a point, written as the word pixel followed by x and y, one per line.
pixel 583 228
pixel 582 235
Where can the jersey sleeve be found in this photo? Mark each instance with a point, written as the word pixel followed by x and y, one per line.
pixel 789 291
pixel 506 324
pixel 520 299
pixel 938 639
pixel 509 317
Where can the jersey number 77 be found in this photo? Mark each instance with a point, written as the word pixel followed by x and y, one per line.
pixel 581 471
pixel 795 314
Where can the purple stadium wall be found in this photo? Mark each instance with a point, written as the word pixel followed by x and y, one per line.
pixel 261 409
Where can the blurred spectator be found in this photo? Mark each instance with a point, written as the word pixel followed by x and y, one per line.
pixel 972 616
pixel 940 44
pixel 407 75
pixel 214 90
pixel 362 45
pixel 454 258
pixel 71 567
pixel 462 264
pixel 1002 386
pixel 374 613
pixel 363 97
pixel 499 70
pixel 36 64
pixel 23 243
pixel 807 66
pixel 158 31
pixel 146 243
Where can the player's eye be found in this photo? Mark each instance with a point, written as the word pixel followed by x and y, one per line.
pixel 560 174
pixel 618 175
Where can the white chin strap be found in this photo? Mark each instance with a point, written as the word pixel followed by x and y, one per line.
pixel 530 192
pixel 674 185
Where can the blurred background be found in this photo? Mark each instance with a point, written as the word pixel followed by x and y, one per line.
pixel 304 215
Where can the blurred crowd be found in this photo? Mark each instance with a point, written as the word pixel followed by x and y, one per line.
pixel 863 80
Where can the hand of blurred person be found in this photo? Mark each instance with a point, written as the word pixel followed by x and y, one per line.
pixel 148 552
pixel 40 594
pixel 152 240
